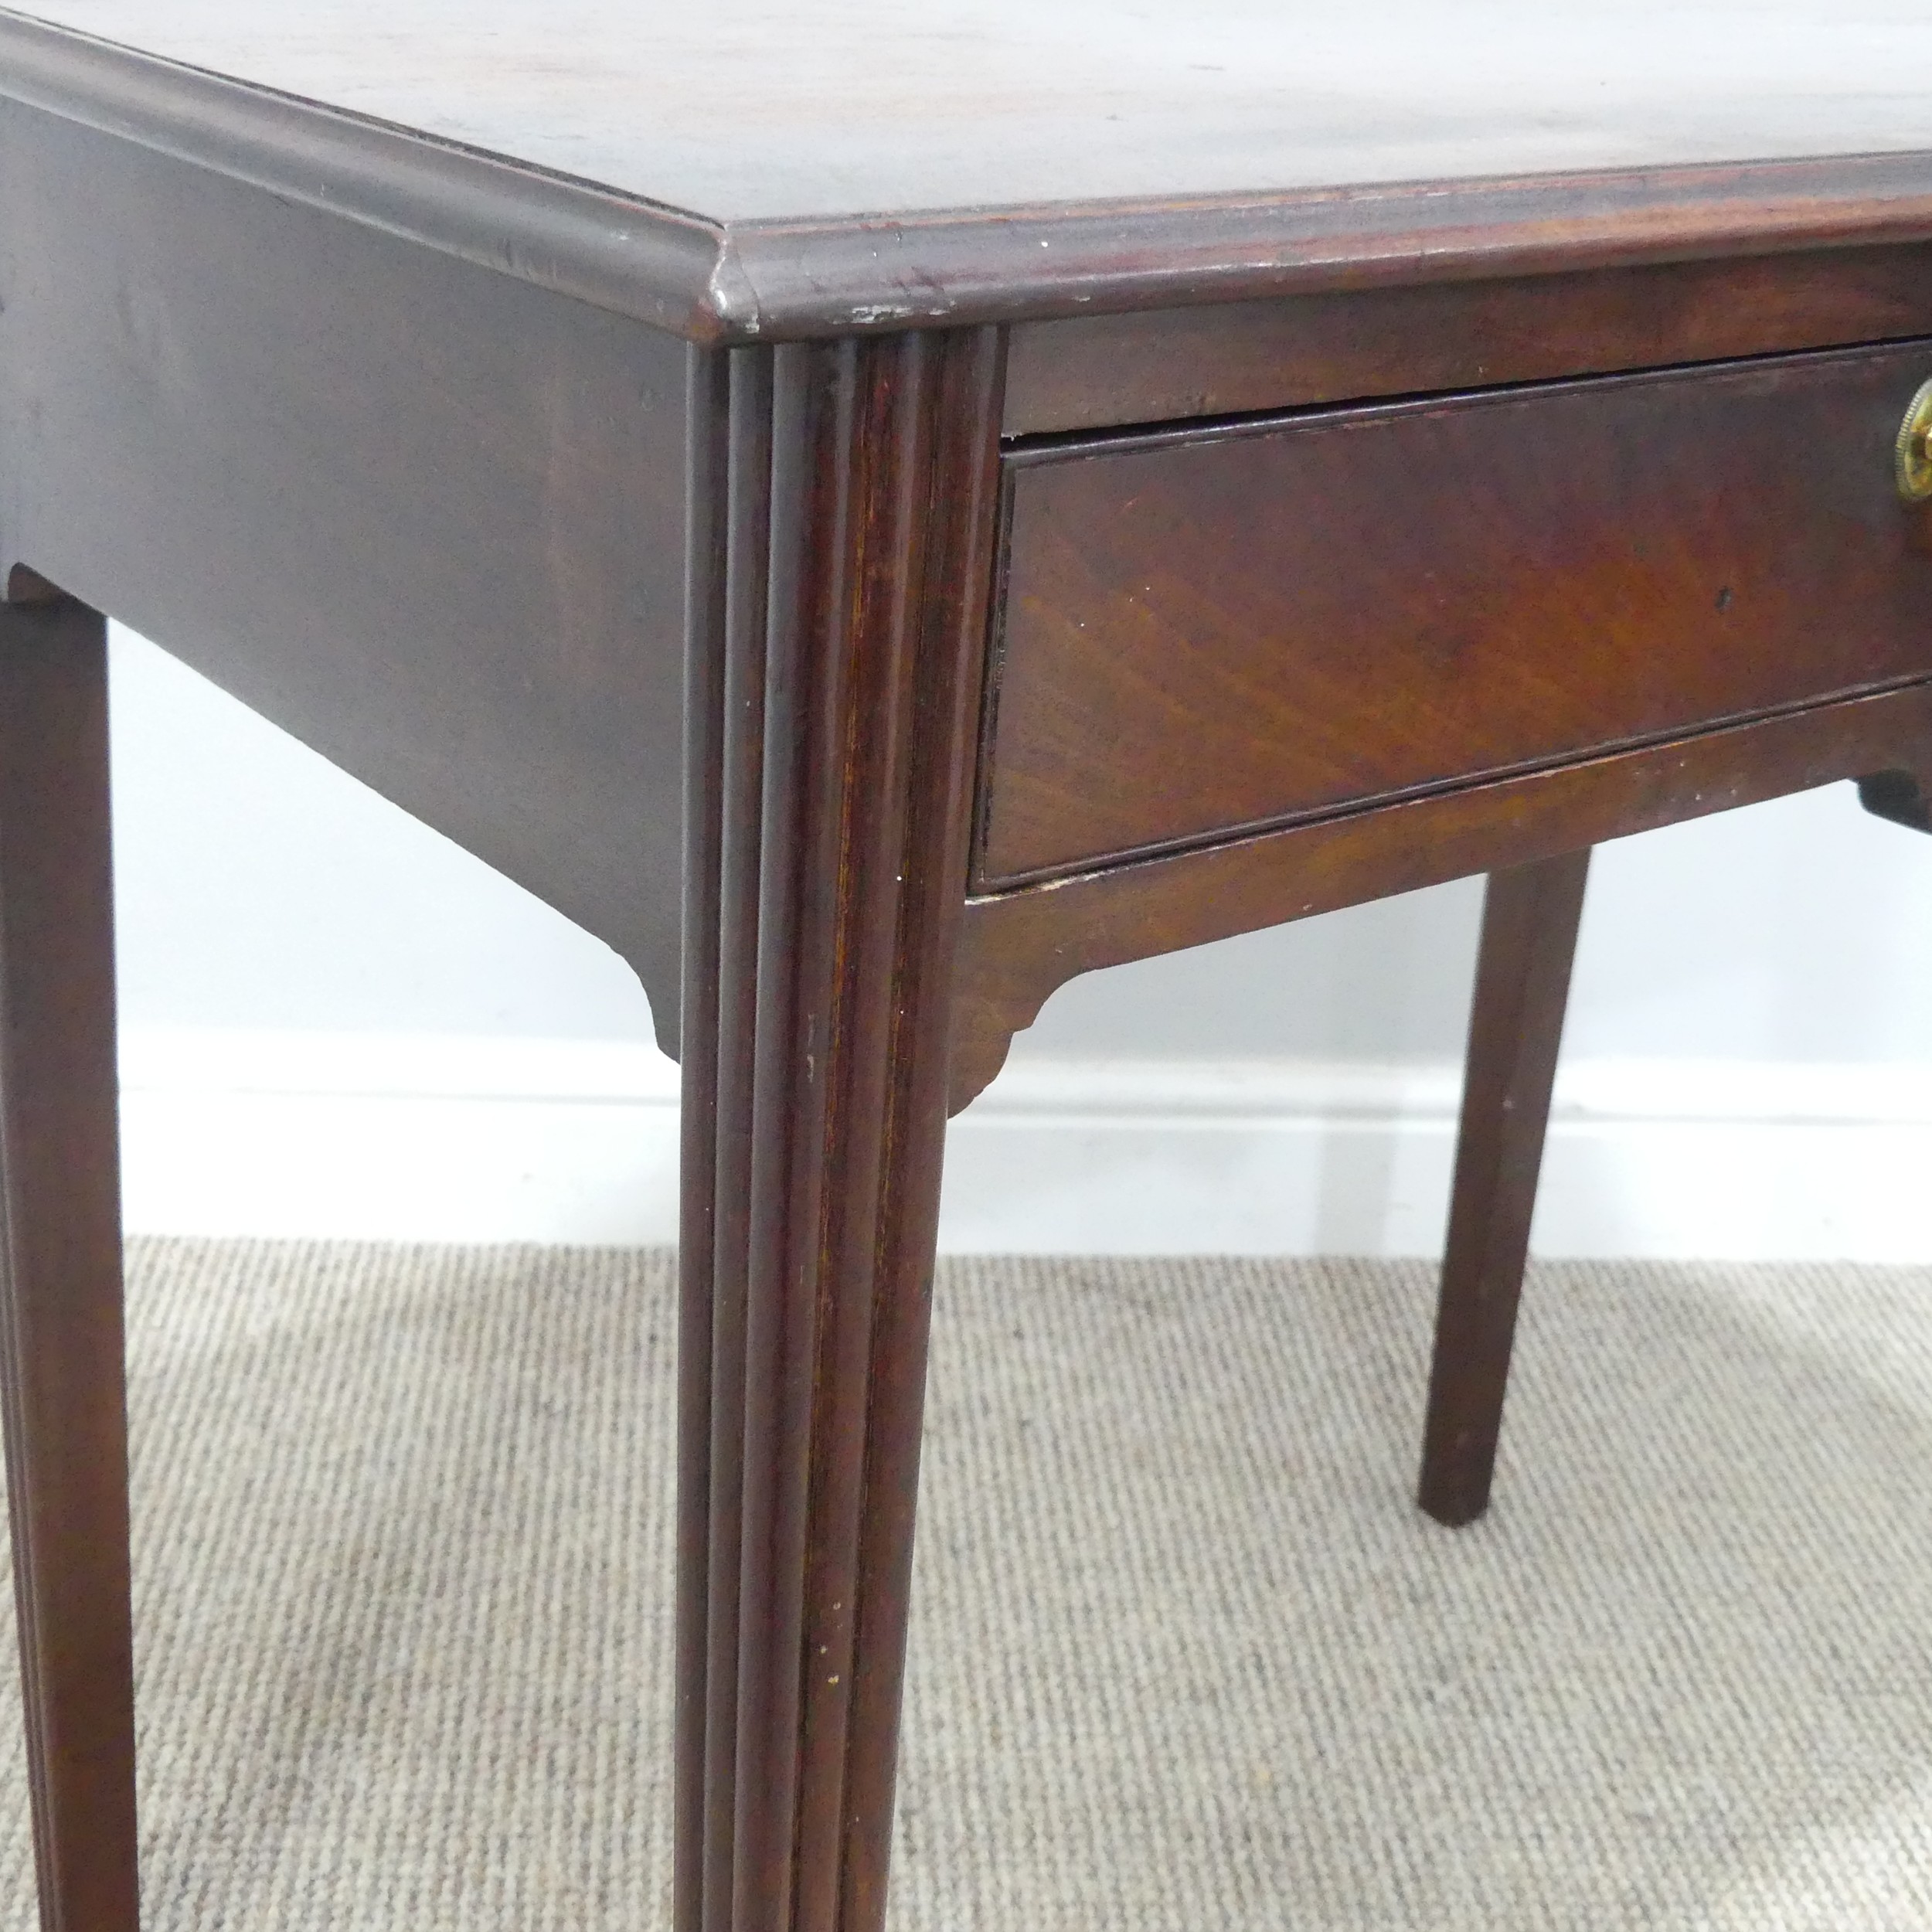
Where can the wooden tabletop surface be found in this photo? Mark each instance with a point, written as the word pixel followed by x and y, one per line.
pixel 816 116
pixel 747 110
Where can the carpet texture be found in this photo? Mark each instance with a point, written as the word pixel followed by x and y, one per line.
pixel 1185 1655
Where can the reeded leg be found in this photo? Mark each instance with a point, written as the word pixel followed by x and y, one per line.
pixel 698 1046
pixel 1530 918
pixel 61 1362
pixel 842 539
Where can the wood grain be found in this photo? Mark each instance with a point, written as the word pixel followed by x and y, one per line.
pixel 736 805
pixel 746 114
pixel 1210 630
pixel 744 176
pixel 856 502
pixel 427 517
pixel 1020 265
pixel 61 1335
pixel 1530 916
pixel 1017 947
pixel 1228 359
pixel 707 591
pixel 338 352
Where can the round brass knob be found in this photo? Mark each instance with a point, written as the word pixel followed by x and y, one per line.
pixel 1914 450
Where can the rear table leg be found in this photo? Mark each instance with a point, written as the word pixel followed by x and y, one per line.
pixel 1530 918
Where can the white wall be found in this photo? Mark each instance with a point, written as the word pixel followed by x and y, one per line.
pixel 336 1021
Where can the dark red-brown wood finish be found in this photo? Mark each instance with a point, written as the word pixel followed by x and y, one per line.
pixel 60 1310
pixel 1208 631
pixel 894 243
pixel 1017 947
pixel 839 610
pixel 566 508
pixel 1530 921
pixel 1232 358
pixel 199 371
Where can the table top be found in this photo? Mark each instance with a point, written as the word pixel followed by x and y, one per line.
pixel 1220 141
pixel 744 110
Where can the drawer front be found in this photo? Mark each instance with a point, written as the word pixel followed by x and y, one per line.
pixel 1207 630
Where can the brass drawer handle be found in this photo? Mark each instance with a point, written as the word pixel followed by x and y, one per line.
pixel 1914 450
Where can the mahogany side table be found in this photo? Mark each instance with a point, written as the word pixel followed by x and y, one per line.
pixel 874 513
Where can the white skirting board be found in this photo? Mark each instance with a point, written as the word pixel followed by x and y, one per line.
pixel 434 1138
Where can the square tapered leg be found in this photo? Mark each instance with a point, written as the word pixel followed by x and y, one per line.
pixel 61 1351
pixel 1530 919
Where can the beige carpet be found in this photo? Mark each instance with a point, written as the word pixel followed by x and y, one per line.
pixel 1185 1655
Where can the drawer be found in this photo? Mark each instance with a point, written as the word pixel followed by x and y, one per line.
pixel 1209 629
